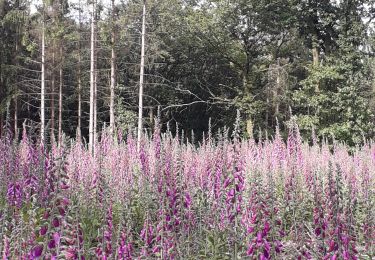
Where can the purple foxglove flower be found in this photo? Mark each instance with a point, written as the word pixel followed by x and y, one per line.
pixel 278 246
pixel 250 230
pixel 51 244
pixel 64 186
pixel 332 246
pixel 56 222
pixel 37 251
pixel 267 246
pixel 65 201
pixel 156 250
pixel 266 253
pixel 250 250
pixel 318 231
pixel 61 211
pixel 187 201
pixel 324 225
pixel 346 255
pixel 70 254
pixel 46 215
pixel 56 237
pixel 43 230
pixel 238 208
pixel 266 228
pixel 227 182
pixel 345 240
pixel 6 252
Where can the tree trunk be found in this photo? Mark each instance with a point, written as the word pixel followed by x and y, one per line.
pixel 61 82
pixel 315 56
pixel 141 77
pixel 277 91
pixel 16 116
pixel 92 77
pixel 1 124
pixel 16 90
pixel 152 119
pixel 95 104
pixel 42 89
pixel 53 96
pixel 79 78
pixel 79 127
pixel 113 74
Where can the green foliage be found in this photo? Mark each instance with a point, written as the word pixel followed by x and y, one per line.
pixel 126 120
pixel 204 59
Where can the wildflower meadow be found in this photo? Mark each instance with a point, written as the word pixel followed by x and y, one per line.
pixel 224 198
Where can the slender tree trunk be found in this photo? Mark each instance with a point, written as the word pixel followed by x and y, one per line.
pixel 95 104
pixel 53 95
pixel 1 124
pixel 96 95
pixel 141 77
pixel 42 89
pixel 113 74
pixel 315 55
pixel 152 119
pixel 79 78
pixel 2 92
pixel 16 116
pixel 16 92
pixel 61 84
pixel 79 99
pixel 92 78
pixel 278 87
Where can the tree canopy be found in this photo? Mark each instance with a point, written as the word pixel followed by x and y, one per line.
pixel 271 60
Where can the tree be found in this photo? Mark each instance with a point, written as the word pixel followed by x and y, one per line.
pixel 141 76
pixel 113 70
pixel 79 76
pixel 92 122
pixel 338 108
pixel 42 87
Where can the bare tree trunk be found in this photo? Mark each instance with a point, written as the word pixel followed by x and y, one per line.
pixel 276 93
pixel 113 74
pixel 79 127
pixel 315 53
pixel 1 124
pixel 2 96
pixel 95 96
pixel 16 116
pixel 315 56
pixel 79 78
pixel 151 115
pixel 42 89
pixel 16 93
pixel 53 95
pixel 95 104
pixel 92 78
pixel 141 77
pixel 61 82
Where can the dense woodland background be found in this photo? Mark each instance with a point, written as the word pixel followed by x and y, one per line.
pixel 204 59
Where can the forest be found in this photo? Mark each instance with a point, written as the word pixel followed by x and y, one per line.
pixel 187 129
pixel 203 60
